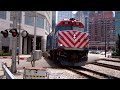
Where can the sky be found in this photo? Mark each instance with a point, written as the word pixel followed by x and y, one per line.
pixel 76 11
pixel 114 13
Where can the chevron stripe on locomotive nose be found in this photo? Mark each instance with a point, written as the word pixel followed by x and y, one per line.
pixel 68 41
pixel 82 40
pixel 65 40
pixel 84 43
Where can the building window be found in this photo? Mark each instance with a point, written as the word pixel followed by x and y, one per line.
pixel 3 14
pixel 18 16
pixel 48 13
pixel 47 26
pixel 49 29
pixel 11 25
pixel 29 18
pixel 40 21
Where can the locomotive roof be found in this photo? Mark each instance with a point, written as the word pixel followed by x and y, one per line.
pixel 61 23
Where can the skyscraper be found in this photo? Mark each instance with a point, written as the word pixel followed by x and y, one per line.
pixel 63 15
pixel 80 16
pixel 117 23
pixel 101 22
pixel 86 15
pixel 83 17
pixel 53 19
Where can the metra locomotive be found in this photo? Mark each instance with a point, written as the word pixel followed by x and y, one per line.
pixel 69 43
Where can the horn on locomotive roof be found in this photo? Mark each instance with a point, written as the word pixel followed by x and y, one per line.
pixel 72 18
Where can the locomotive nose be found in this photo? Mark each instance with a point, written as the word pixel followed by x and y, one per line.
pixel 72 39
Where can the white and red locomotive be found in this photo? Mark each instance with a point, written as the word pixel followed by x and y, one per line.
pixel 69 43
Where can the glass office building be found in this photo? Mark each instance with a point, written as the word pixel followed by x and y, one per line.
pixel 117 23
pixel 63 15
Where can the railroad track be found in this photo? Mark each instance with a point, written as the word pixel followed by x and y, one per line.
pixel 82 73
pixel 106 65
pixel 86 72
pixel 118 61
pixel 75 70
pixel 91 74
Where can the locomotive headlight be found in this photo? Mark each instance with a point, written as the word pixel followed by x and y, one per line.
pixel 61 45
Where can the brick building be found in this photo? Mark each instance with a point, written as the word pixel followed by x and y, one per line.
pixel 99 22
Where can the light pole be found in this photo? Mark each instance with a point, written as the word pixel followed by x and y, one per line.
pixel 105 38
pixel 104 30
pixel 34 43
pixel 34 40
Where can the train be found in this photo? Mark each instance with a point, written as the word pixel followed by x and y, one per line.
pixel 68 43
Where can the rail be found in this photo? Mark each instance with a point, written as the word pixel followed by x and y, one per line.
pixel 115 57
pixel 7 72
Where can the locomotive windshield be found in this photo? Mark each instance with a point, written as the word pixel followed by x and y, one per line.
pixel 77 28
pixel 61 28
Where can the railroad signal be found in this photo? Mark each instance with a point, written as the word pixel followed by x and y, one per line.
pixel 5 33
pixel 24 34
pixel 14 32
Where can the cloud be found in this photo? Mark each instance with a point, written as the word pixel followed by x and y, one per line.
pixel 113 13
pixel 74 12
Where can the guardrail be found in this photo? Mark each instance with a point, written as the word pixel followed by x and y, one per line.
pixel 7 72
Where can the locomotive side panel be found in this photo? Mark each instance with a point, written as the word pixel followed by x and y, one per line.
pixel 50 41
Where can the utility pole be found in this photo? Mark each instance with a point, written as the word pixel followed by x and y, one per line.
pixel 34 43
pixel 14 39
pixel 105 31
pixel 20 13
pixel 105 39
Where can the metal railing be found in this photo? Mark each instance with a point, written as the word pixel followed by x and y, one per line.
pixel 7 72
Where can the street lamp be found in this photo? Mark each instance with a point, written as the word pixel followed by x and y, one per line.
pixel 34 41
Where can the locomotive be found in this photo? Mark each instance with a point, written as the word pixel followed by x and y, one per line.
pixel 68 43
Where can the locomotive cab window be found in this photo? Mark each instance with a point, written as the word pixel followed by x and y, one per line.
pixel 61 28
pixel 66 23
pixel 77 23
